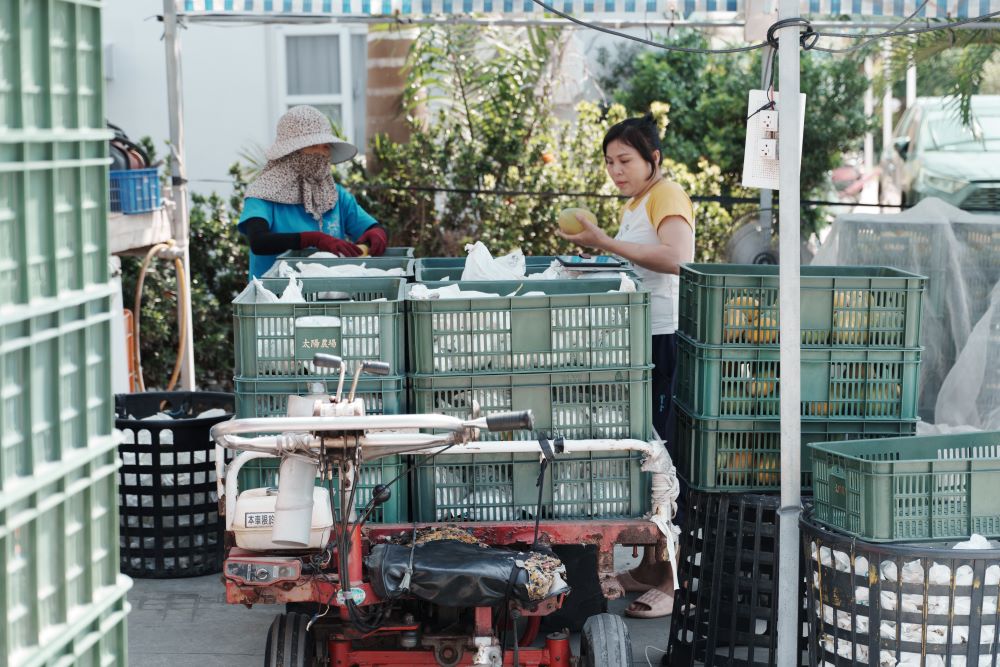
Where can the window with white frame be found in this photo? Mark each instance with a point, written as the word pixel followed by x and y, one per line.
pixel 326 67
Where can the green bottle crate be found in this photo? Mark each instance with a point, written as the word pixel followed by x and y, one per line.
pixel 56 378
pixel 575 405
pixel 51 62
pixel 934 487
pixel 306 253
pixel 570 325
pixel 95 636
pixel 53 218
pixel 269 345
pixel 728 382
pixel 58 547
pixel 844 307
pixel 383 263
pixel 503 487
pixel 269 398
pixel 745 454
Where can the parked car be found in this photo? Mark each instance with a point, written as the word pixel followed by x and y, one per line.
pixel 933 154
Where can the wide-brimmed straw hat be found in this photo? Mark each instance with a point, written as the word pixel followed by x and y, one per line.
pixel 304 126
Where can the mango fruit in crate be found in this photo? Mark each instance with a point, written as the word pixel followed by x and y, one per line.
pixel 741 315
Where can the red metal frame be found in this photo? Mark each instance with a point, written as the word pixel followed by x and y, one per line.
pixel 555 653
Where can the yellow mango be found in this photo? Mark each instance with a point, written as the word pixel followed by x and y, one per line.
pixel 364 249
pixel 736 326
pixel 568 222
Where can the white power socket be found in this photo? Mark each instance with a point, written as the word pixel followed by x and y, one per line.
pixel 768 149
pixel 769 121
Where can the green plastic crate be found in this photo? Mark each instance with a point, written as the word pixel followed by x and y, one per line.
pixel 306 253
pixel 96 636
pixel 503 487
pixel 269 398
pixel 936 487
pixel 58 547
pixel 56 394
pixel 575 405
pixel 720 381
pixel 850 306
pixel 53 218
pixel 745 454
pixel 51 60
pixel 269 345
pixel 571 325
pixel 383 263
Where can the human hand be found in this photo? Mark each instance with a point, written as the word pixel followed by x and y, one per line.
pixel 376 239
pixel 328 243
pixel 590 236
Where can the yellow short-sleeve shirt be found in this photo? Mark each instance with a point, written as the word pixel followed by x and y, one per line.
pixel 666 199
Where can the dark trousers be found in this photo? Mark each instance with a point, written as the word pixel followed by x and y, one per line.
pixel 664 417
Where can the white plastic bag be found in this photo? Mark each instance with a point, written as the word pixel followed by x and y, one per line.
pixel 480 264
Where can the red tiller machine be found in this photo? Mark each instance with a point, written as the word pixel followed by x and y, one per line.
pixel 359 595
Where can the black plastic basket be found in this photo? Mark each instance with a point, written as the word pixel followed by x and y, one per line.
pixel 936 606
pixel 167 499
pixel 725 612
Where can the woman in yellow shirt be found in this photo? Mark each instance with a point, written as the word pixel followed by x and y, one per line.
pixel 657 235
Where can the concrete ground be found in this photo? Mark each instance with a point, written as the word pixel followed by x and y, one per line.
pixel 187 623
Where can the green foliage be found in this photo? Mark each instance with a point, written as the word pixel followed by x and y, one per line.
pixel 219 261
pixel 478 104
pixel 707 94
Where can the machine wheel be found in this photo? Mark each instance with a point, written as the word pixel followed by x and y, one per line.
pixel 288 642
pixel 605 642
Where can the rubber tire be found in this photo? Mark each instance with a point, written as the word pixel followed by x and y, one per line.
pixel 289 644
pixel 605 642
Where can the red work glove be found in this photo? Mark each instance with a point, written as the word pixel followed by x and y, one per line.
pixel 376 239
pixel 328 243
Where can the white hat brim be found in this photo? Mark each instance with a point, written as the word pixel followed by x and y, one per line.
pixel 340 151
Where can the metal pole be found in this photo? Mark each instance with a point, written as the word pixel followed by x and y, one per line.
pixel 911 86
pixel 869 104
pixel 789 150
pixel 766 196
pixel 178 185
pixel 886 102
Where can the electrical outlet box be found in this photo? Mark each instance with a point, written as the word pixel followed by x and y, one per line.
pixel 768 149
pixel 769 121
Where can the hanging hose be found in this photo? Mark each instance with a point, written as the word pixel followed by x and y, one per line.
pixel 182 324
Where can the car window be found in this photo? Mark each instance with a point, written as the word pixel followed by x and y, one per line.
pixel 944 131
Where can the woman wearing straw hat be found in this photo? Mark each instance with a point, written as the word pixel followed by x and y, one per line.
pixel 294 202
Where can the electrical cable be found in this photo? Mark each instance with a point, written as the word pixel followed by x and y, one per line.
pixel 647 42
pixel 894 32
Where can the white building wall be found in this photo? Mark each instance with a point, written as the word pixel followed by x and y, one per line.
pixel 228 89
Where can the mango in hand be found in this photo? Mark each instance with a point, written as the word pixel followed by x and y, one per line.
pixel 568 222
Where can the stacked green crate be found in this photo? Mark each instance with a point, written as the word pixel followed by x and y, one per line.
pixel 576 353
pixel 859 366
pixel 357 319
pixel 62 599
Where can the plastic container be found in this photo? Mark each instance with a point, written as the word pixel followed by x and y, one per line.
pixel 503 487
pixel 729 382
pixel 745 455
pixel 53 210
pixel 271 345
pixel 52 55
pixel 56 378
pixel 305 253
pixel 726 609
pixel 383 263
pixel 59 550
pixel 169 506
pixel 936 487
pixel 575 405
pixel 96 635
pixel 841 306
pixel 931 605
pixel 582 324
pixel 135 190
pixel 269 398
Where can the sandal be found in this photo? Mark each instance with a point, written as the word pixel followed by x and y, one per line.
pixel 658 603
pixel 630 584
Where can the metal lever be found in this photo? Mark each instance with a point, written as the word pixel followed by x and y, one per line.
pixel 376 367
pixel 510 421
pixel 327 361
